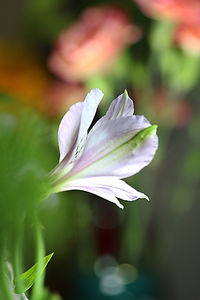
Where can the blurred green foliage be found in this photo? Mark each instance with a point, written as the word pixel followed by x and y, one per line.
pixel 159 238
pixel 179 69
pixel 25 163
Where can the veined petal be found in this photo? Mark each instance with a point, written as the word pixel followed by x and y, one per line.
pixel 102 192
pixel 124 161
pixel 90 105
pixel 69 128
pixel 106 136
pixel 122 106
pixel 109 188
pixel 74 125
pixel 119 145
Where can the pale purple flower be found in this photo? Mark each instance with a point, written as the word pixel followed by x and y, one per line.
pixel 119 145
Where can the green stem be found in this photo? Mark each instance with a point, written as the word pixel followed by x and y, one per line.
pixel 5 289
pixel 5 292
pixel 18 253
pixel 40 253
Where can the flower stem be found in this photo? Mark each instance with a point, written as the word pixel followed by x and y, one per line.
pixel 5 289
pixel 18 253
pixel 40 253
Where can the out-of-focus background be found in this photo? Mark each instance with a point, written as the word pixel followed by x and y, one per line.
pixel 51 54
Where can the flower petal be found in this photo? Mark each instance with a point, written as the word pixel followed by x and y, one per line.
pixel 106 136
pixel 69 129
pixel 127 160
pixel 91 103
pixel 109 188
pixel 122 106
pixel 74 125
pixel 99 191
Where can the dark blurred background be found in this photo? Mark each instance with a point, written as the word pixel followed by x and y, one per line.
pixel 51 54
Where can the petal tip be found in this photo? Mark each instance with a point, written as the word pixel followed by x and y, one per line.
pixel 98 91
pixel 154 128
pixel 125 94
pixel 145 197
pixel 120 206
pixel 142 196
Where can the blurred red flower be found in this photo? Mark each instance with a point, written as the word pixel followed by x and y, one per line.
pixel 185 13
pixel 92 43
pixel 176 10
pixel 188 38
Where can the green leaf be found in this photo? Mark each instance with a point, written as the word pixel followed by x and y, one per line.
pixel 24 281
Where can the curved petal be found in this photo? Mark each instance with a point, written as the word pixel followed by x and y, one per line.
pixel 125 160
pixel 69 128
pixel 99 191
pixel 130 158
pixel 106 136
pixel 122 106
pixel 75 123
pixel 90 105
pixel 109 188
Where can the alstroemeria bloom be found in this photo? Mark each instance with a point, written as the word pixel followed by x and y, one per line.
pixel 119 145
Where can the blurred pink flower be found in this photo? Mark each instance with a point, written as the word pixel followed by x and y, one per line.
pixel 186 15
pixel 92 43
pixel 187 36
pixel 176 10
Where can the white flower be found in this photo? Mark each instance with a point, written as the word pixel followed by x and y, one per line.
pixel 119 145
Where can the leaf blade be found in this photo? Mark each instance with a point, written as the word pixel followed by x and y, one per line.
pixel 24 281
